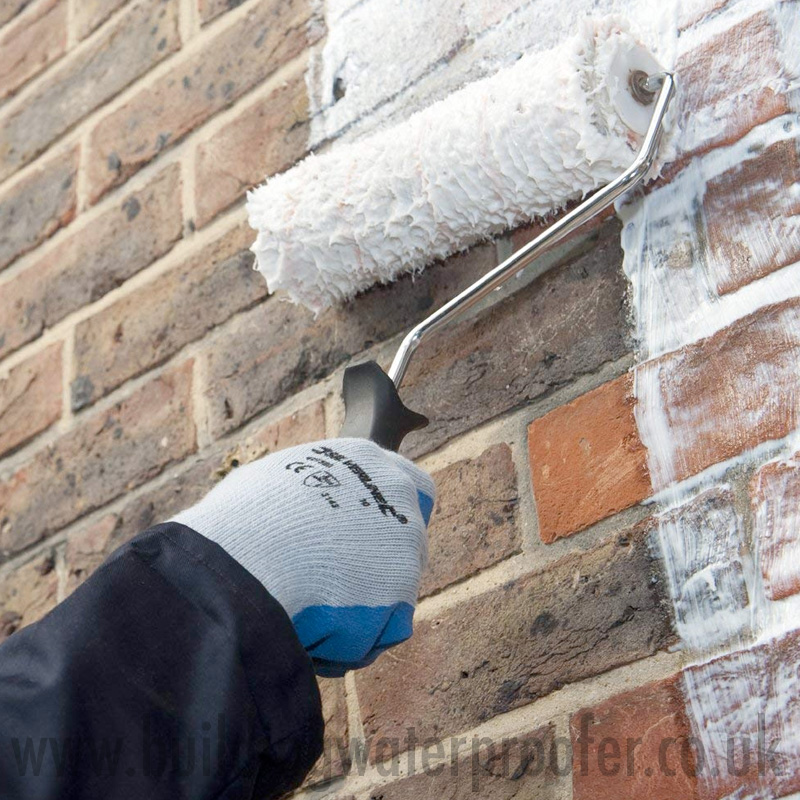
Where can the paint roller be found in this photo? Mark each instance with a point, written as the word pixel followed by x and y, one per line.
pixel 582 121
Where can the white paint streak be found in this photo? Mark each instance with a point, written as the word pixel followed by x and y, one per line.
pixel 484 160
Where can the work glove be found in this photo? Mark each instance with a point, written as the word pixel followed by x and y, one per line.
pixel 336 533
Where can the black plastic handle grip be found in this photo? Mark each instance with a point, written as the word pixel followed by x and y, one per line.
pixel 373 408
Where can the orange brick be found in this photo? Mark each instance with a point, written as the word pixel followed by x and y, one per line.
pixel 626 747
pixel 587 461
pixel 30 398
pixel 775 502
pixel 31 43
pixel 198 86
pixel 265 138
pixel 728 393
pixel 752 215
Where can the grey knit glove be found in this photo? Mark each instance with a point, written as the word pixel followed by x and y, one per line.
pixel 336 532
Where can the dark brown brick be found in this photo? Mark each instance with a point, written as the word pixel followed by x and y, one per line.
pixel 93 260
pixel 474 522
pixel 90 14
pixel 581 616
pixel 37 207
pixel 28 593
pixel 199 85
pixel 31 43
pixel 564 324
pixel 277 349
pixel 265 138
pixel 335 759
pixel 147 326
pixel 136 41
pixel 105 455
pixel 30 398
pixel 511 767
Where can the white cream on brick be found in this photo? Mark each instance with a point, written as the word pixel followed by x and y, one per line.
pixel 486 159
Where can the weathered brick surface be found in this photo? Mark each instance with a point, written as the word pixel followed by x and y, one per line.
pixel 90 14
pixel 210 9
pixel 305 425
pixel 31 43
pixel 562 325
pixel 93 260
pixel 335 759
pixel 775 502
pixel 36 208
pixel 625 748
pixel 146 326
pixel 265 138
pixel 581 616
pixel 746 246
pixel 273 32
pixel 104 455
pixel 729 392
pixel 135 42
pixel 10 8
pixel 587 461
pixel 704 111
pixel 475 521
pixel 30 398
pixel 27 593
pixel 88 547
pixel 276 349
pixel 518 767
pixel 749 700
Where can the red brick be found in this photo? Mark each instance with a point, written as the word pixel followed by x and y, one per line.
pixel 747 55
pixel 749 695
pixel 93 260
pixel 30 398
pixel 106 454
pixel 475 521
pixel 775 502
pixel 145 327
pixel 587 461
pixel 581 616
pixel 90 14
pixel 124 51
pixel 727 393
pixel 562 325
pixel 266 138
pixel 624 748
pixel 198 86
pixel 752 215
pixel 504 769
pixel 36 207
pixel 277 349
pixel 335 759
pixel 31 43
pixel 28 593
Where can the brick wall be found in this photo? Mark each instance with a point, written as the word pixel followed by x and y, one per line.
pixel 141 359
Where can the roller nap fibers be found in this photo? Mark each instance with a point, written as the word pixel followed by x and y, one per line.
pixel 491 156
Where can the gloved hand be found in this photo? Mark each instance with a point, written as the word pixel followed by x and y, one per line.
pixel 336 532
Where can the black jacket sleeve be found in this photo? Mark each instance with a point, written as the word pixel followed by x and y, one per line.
pixel 171 673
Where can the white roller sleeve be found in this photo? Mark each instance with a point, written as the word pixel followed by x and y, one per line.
pixel 487 158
